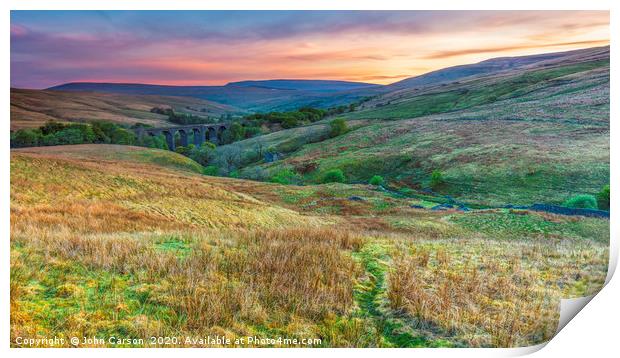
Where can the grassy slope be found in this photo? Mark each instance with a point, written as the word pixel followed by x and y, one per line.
pixel 32 108
pixel 535 136
pixel 111 240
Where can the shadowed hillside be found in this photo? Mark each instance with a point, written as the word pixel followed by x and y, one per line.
pixel 259 96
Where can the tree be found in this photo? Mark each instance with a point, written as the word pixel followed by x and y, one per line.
pixel 25 138
pixel 229 156
pixel 237 131
pixel 602 198
pixel 122 136
pixel 51 127
pixel 103 131
pixel 203 154
pixel 337 127
pixel 259 148
pixel 71 135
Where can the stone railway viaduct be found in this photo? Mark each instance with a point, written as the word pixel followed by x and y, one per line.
pixel 201 133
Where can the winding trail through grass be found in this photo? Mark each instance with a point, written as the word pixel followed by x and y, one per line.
pixel 370 297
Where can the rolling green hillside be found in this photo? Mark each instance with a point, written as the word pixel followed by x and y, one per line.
pixel 539 134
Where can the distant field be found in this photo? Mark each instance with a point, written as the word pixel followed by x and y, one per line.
pixel 32 108
pixel 132 242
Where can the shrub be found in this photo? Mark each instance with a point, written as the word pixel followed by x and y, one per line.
pixel 210 170
pixel 333 176
pixel 376 180
pixel 436 179
pixel 285 176
pixel 602 198
pixel 338 127
pixel 584 201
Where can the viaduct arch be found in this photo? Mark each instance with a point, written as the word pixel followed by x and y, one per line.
pixel 200 133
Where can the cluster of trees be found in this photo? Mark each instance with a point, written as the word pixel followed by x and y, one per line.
pixel 289 119
pixel 238 132
pixel 182 118
pixel 201 154
pixel 56 133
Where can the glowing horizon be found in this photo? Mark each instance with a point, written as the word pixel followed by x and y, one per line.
pixel 217 47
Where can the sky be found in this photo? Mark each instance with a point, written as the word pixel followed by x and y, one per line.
pixel 216 47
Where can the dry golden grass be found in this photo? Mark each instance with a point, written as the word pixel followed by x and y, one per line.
pixel 109 196
pixel 239 280
pixel 109 240
pixel 490 293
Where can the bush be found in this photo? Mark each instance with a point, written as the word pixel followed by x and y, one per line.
pixel 376 180
pixel 602 198
pixel 436 179
pixel 584 201
pixel 333 176
pixel 285 176
pixel 338 127
pixel 210 170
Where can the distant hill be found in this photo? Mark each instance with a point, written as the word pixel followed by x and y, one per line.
pixel 495 65
pixel 306 85
pixel 261 96
pixel 32 108
pixel 290 94
pixel 466 86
